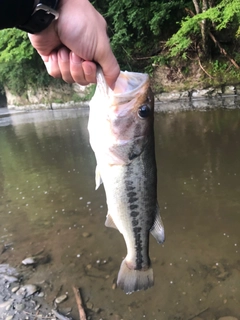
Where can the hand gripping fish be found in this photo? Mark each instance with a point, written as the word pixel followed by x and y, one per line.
pixel 122 138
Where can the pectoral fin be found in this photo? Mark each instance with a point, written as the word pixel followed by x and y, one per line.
pixel 109 222
pixel 98 179
pixel 157 229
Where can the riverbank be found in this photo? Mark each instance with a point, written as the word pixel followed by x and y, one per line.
pixel 227 97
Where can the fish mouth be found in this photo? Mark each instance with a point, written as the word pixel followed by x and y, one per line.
pixel 129 84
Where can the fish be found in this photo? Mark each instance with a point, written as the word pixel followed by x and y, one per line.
pixel 121 132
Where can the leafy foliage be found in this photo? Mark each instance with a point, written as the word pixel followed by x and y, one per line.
pixel 136 27
pixel 225 14
pixel 14 46
pixel 20 65
pixel 143 34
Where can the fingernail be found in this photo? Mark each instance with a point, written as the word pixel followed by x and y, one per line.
pixel 64 55
pixel 76 59
pixel 53 56
pixel 88 69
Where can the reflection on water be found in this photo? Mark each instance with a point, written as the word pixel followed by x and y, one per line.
pixel 48 201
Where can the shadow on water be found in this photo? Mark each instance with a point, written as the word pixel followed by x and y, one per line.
pixel 48 202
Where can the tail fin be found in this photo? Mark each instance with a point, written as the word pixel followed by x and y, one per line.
pixel 130 280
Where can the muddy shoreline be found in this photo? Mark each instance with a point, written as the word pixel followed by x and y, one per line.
pixel 21 299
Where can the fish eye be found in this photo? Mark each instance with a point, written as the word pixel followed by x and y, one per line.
pixel 144 111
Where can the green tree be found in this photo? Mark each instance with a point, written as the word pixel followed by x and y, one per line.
pixel 20 65
pixel 138 28
pixel 208 23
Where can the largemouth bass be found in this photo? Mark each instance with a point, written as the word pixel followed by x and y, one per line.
pixel 122 138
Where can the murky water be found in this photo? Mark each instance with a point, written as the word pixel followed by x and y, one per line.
pixel 48 202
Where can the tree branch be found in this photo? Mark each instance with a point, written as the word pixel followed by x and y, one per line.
pixel 222 50
pixel 204 69
pixel 81 311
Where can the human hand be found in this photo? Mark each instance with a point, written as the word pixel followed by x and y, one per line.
pixel 72 45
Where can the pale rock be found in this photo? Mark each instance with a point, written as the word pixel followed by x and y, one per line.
pixel 229 90
pixel 61 298
pixel 27 290
pixel 86 234
pixel 6 304
pixel 29 261
pixel 89 305
pixel 15 289
pixel 10 279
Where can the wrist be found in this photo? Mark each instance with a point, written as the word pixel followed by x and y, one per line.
pixel 44 12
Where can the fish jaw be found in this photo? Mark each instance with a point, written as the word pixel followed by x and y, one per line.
pixel 117 133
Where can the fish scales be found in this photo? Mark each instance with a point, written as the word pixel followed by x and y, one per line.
pixel 122 137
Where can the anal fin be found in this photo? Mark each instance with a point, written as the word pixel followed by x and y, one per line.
pixel 98 179
pixel 157 229
pixel 109 222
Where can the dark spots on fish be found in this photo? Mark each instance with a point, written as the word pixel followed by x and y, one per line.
pixel 129 184
pixel 134 214
pixel 131 194
pixel 132 197
pixel 131 200
pixel 129 188
pixel 134 223
pixel 133 206
pixel 137 233
pixel 138 246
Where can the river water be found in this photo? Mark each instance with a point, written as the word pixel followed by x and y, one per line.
pixel 48 204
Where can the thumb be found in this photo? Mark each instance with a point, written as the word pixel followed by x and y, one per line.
pixel 110 68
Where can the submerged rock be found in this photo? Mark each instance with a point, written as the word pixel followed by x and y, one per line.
pixel 60 299
pixel 10 279
pixel 5 305
pixel 86 234
pixel 28 290
pixel 15 289
pixel 6 269
pixel 36 260
pixel 19 306
pixel 29 261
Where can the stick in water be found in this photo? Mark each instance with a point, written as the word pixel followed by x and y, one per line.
pixel 81 311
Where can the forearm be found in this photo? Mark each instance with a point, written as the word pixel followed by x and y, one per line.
pixel 15 12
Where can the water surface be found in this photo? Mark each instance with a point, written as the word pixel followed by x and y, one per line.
pixel 48 202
